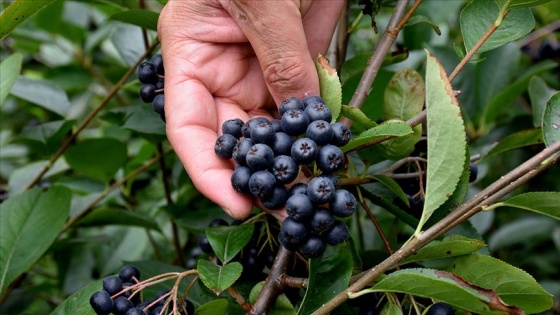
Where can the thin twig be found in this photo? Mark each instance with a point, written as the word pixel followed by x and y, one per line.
pixel 294 282
pixel 239 299
pixel 89 118
pixel 507 183
pixel 401 162
pixel 375 223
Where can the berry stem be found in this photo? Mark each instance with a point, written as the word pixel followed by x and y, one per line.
pixel 375 223
pixel 239 299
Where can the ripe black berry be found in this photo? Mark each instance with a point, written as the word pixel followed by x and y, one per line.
pixel 241 149
pixel 337 234
pixel 277 125
pixel 189 307
pixel 290 103
pixel 321 221
pixel 224 146
pixel 135 311
pixel 330 159
pixel 147 92
pixel 341 134
pixel 319 131
pixel 282 144
pixel 440 308
pixel 233 127
pixel 299 188
pixel 299 207
pixel 259 157
pixel 277 199
pixel 261 184
pixel 157 61
pixel 284 240
pixel 318 111
pixel 147 72
pixel 313 247
pixel 112 284
pixel 284 169
pixel 320 190
pixel 343 204
pixel 250 124
pixel 294 232
pixel 158 105
pixel 263 132
pixel 294 122
pixel 101 302
pixel 304 151
pixel 312 99
pixel 204 244
pixel 240 179
pixel 127 273
pixel 121 305
pixel 473 172
pixel 333 179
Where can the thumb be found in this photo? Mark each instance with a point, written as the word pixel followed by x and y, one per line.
pixel 275 31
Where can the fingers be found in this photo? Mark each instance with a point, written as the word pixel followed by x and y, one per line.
pixel 276 33
pixel 319 23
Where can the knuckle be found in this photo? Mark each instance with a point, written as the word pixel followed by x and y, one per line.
pixel 285 74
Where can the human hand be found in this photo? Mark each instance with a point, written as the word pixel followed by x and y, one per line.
pixel 229 59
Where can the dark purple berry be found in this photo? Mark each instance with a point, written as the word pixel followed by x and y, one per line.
pixel 158 310
pixel 313 247
pixel 224 146
pixel 147 72
pixel 290 103
pixel 294 232
pixel 147 92
pixel 318 111
pixel 136 311
pixel 189 307
pixel 121 305
pixel 321 221
pixel 294 122
pixel 299 207
pixel 299 188
pixel 304 151
pixel 158 105
pixel 250 124
pixel 128 273
pixel 333 179
pixel 259 157
pixel 337 234
pixel 204 244
pixel 319 131
pixel 277 199
pixel 277 125
pixel 261 184
pixel 101 302
pixel 284 169
pixel 284 241
pixel 240 179
pixel 160 85
pixel 343 204
pixel 473 172
pixel 330 159
pixel 112 284
pixel 282 144
pixel 312 99
pixel 233 127
pixel 320 190
pixel 240 151
pixel 440 308
pixel 128 293
pixel 157 60
pixel 161 296
pixel 263 133
pixel 341 134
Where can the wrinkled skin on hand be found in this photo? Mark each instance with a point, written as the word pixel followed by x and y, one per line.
pixel 229 59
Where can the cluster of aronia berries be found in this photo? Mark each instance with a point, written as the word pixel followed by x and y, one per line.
pixel 116 299
pixel 151 74
pixel 269 155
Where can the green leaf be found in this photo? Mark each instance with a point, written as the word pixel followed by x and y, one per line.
pixel 501 102
pixel 30 223
pixel 391 309
pixel 143 18
pixel 331 89
pixel 218 278
pixel 551 120
pixel 49 135
pixel 415 19
pixel 111 216
pixel 218 306
pixel 441 286
pixel 404 99
pixel 539 93
pixel 513 285
pixel 99 158
pixel 356 65
pixel 526 3
pixel 391 208
pixel 543 202
pixel 357 116
pixel 227 241
pixel 388 128
pixel 9 68
pixel 282 306
pixel 446 140
pixel 78 302
pixel 450 246
pixel 17 12
pixel 328 276
pixel 42 93
pixel 141 119
pixel 517 140
pixel 521 231
pixel 477 17
pixel 393 186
